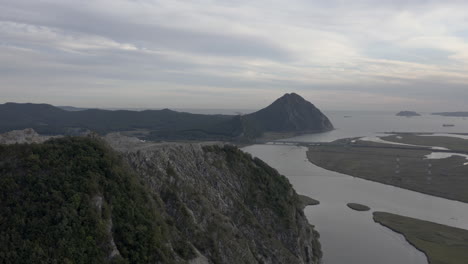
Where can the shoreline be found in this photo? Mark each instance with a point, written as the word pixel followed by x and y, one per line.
pixel 393 185
pixel 273 136
pixel 382 163
pixel 404 237
pixel 401 233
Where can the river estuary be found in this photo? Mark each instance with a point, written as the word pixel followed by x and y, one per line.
pixel 349 236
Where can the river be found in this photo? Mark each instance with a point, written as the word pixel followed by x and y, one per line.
pixel 349 236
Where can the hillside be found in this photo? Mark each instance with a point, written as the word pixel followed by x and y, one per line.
pixel 75 200
pixel 72 200
pixel 47 119
pixel 290 113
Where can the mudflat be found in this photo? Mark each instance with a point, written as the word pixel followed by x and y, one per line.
pixel 402 166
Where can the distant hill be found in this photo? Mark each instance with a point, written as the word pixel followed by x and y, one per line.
pixel 47 119
pixel 290 113
pixel 456 114
pixel 407 113
pixel 72 108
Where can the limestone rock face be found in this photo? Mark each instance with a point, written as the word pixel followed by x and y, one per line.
pixel 27 135
pixel 230 207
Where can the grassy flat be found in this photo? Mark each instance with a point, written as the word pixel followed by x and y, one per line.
pixel 358 207
pixel 441 244
pixel 452 143
pixel 307 201
pixel 396 165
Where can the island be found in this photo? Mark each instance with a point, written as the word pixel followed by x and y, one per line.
pixel 408 113
pixel 358 207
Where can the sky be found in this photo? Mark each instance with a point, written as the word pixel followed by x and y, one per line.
pixel 340 55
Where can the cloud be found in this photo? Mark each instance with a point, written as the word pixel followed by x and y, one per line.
pixel 226 48
pixel 46 37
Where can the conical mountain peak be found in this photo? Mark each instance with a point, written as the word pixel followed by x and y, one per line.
pixel 291 113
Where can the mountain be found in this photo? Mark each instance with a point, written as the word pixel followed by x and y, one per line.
pixel 407 113
pixel 76 200
pixel 47 119
pixel 290 113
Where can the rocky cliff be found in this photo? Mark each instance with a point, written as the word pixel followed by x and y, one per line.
pixel 231 207
pixel 27 135
pixel 74 200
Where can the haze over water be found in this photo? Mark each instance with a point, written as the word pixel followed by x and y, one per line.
pixel 369 123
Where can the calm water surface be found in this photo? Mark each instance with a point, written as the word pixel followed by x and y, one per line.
pixel 349 236
pixel 361 124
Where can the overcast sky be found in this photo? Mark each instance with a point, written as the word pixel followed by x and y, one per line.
pixel 381 54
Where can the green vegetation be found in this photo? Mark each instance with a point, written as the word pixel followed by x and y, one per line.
pixel 290 113
pixel 47 119
pixel 358 207
pixel 265 187
pixel 74 200
pixel 441 244
pixel 51 211
pixel 400 166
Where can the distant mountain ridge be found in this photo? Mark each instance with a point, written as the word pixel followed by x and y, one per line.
pixel 72 108
pixel 455 114
pixel 290 113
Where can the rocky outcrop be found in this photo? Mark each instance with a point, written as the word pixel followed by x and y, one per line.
pixel 113 251
pixel 231 207
pixel 27 135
